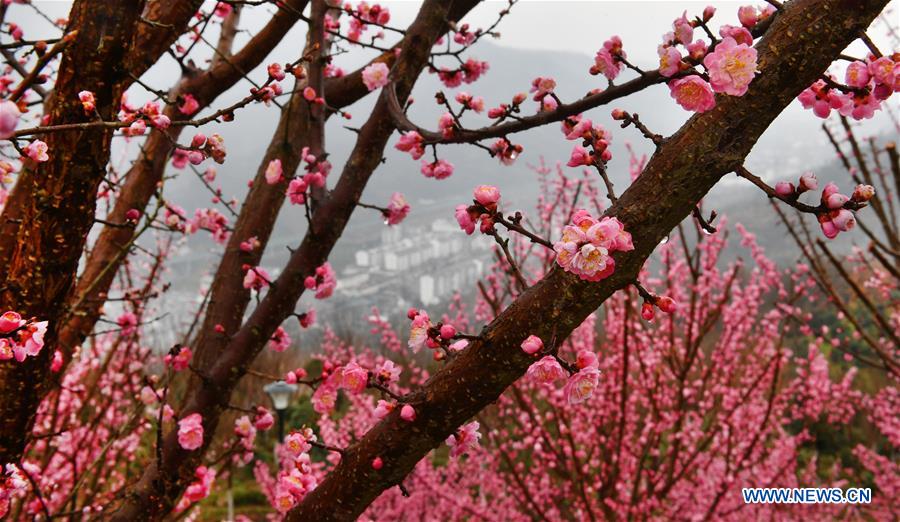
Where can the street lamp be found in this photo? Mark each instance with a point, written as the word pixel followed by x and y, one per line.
pixel 280 393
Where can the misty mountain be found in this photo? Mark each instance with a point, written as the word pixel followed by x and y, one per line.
pixel 793 144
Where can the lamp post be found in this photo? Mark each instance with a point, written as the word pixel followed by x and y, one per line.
pixel 280 393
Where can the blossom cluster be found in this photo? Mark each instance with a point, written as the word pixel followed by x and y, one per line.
pixel 836 210
pixel 190 432
pixel 868 84
pixel 20 338
pixel 12 483
pixel 201 148
pixel 484 208
pixel 323 282
pixel 316 173
pixel 464 440
pixel 438 337
pixel 397 210
pixel 296 479
pixel 468 72
pixel 362 16
pixel 593 136
pixel 198 489
pixel 586 246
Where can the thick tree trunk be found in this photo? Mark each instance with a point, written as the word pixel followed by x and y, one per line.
pixel 796 50
pixel 54 201
pixel 147 171
pixel 160 486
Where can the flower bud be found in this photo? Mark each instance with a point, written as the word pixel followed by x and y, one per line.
pixel 808 181
pixel 863 193
pixel 784 189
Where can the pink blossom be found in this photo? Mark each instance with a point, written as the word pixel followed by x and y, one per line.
pixel 37 151
pixel 860 106
pixel 863 193
pixel 693 93
pixel 9 118
pixel 836 201
pixel 280 340
pixel 276 71
pixel 487 196
pixel 829 229
pixel 748 16
pixel 264 420
pixel 189 105
pixel 190 432
pixel 296 191
pixel 249 245
pixel 857 74
pixel 411 142
pixel 669 60
pixel 532 345
pixel 739 34
pixel 397 209
pixel 821 99
pixel 666 304
pixel 465 219
pixel 580 157
pixel 298 442
pixel 447 331
pixel 784 189
pixel 418 331
pixel 731 67
pixel 383 408
pixel 256 278
pixel 465 439
pixel 243 427
pixel 605 61
pixel 88 101
pixel 127 322
pixel 180 360
pixel 647 312
pixel 883 70
pixel 377 463
pixel 546 370
pixel 274 172
pixel 697 49
pixel 447 125
pixel 10 321
pixel 387 371
pixel 323 282
pixel 581 385
pixel 439 169
pixel 843 220
pixel 808 181
pixel 585 246
pixel 408 413
pixel 683 29
pixel 586 359
pixel 376 75
pixel 505 151
pixel 354 378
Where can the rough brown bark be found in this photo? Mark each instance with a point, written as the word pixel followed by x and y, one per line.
pixel 798 48
pixel 162 22
pixel 147 171
pixel 54 201
pixel 159 487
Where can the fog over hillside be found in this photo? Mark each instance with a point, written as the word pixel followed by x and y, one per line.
pixel 794 143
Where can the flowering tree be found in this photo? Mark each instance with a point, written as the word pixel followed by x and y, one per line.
pixel 93 420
